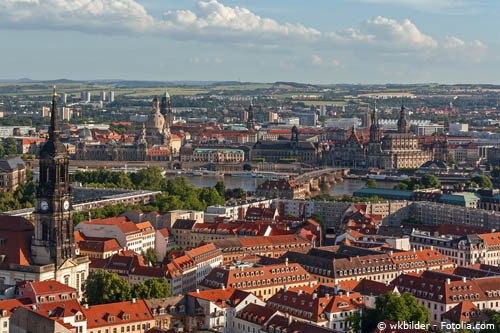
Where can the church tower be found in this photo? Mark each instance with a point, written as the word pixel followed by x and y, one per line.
pixel 403 125
pixel 251 121
pixel 166 109
pixel 374 128
pixel 53 241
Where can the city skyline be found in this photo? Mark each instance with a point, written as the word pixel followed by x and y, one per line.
pixel 362 41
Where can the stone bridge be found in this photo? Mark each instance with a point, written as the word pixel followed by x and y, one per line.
pixel 320 180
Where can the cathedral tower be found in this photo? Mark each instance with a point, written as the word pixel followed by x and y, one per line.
pixel 53 241
pixel 251 115
pixel 403 125
pixel 374 128
pixel 166 109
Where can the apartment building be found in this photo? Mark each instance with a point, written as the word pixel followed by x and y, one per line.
pixel 266 246
pixel 464 250
pixel 331 267
pixel 261 280
pixel 132 316
pixel 130 236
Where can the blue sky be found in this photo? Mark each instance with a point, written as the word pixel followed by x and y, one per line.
pixel 316 41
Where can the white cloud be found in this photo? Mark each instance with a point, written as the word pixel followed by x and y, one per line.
pixel 389 34
pixel 473 51
pixel 212 21
pixel 318 61
pixel 432 6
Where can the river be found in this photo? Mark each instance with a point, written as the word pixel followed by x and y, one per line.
pixel 346 187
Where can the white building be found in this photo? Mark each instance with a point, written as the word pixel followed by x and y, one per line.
pixel 235 210
pixel 136 237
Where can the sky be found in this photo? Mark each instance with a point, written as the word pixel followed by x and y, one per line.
pixel 313 41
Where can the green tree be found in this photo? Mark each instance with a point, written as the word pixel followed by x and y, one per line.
pixel 371 183
pixel 393 307
pixel 10 146
pixel 158 288
pixel 482 181
pixel 495 172
pixel 355 322
pixel 493 318
pixel 150 257
pixel 2 151
pixel 140 291
pixel 102 287
pixel 221 188
pixel 430 181
pixel 174 248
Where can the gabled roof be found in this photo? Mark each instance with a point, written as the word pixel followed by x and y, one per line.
pixel 465 311
pixel 49 287
pixel 9 305
pixel 223 298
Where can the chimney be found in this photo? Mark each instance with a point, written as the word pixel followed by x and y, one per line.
pixel 133 300
pixel 315 295
pixel 86 306
pixel 448 281
pixel 33 307
pixel 289 320
pixel 286 261
pixel 310 284
pixel 223 287
pixel 299 292
pixel 285 287
pixel 464 279
pixel 197 291
pixel 347 293
pixel 336 289
pixel 327 295
pixel 391 252
pixel 387 283
pixel 432 247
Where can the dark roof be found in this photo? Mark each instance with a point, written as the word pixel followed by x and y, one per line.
pixel 284 144
pixel 184 224
pixel 11 163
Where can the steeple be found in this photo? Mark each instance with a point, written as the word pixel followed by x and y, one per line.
pixel 374 128
pixel 54 123
pixel 53 241
pixel 403 125
pixel 250 122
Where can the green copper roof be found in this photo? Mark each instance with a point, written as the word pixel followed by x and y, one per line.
pixel 166 94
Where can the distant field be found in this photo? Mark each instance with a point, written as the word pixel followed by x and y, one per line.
pixel 395 93
pixel 41 89
pixel 322 102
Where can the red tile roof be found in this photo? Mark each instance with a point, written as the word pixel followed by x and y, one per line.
pixel 9 305
pixel 221 297
pixel 465 311
pixel 117 314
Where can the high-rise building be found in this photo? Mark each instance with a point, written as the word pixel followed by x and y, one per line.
pixel 65 113
pixel 244 116
pixel 111 96
pixel 103 96
pixel 64 98
pixel 45 112
pixel 85 96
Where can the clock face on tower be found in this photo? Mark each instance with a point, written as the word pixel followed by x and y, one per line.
pixel 44 205
pixel 66 205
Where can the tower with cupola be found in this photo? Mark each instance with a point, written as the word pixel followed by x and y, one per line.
pixel 53 241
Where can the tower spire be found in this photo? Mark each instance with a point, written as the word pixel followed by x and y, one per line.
pixel 54 123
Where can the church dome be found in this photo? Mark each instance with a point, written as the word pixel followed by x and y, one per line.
pixel 156 120
pixel 85 134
